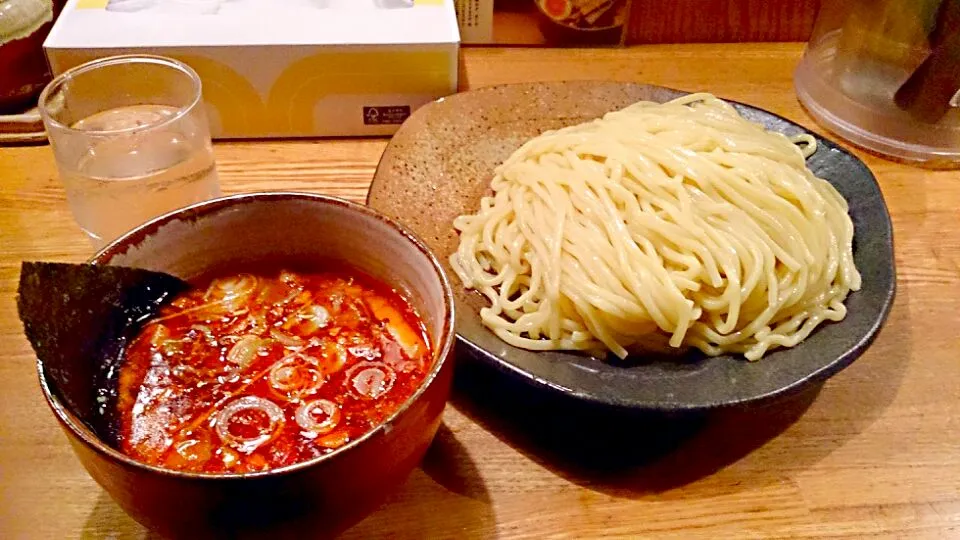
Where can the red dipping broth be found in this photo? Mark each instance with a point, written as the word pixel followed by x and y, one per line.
pixel 256 372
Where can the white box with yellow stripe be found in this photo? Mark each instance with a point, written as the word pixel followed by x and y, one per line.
pixel 281 68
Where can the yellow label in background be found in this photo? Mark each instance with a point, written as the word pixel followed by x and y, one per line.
pixel 307 81
pixel 238 110
pixel 92 4
pixel 288 90
pixel 235 101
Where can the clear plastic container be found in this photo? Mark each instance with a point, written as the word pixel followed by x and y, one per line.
pixel 885 75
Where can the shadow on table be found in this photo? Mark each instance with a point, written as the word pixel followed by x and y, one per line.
pixel 107 520
pixel 625 455
pixel 441 499
pixel 632 455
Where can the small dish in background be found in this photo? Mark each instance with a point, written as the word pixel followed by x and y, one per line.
pixel 24 24
pixel 22 128
pixel 582 22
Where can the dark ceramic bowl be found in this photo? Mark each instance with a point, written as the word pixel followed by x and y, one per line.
pixel 321 497
pixel 439 165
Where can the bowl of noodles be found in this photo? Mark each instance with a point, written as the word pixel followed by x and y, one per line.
pixel 643 248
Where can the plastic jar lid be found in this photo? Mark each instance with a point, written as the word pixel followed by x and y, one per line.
pixel 857 104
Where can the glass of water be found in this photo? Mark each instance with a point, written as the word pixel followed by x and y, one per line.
pixel 131 141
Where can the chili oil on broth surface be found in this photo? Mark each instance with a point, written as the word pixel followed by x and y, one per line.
pixel 252 373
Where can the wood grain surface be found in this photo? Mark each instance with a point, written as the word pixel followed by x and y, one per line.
pixel 874 454
pixel 706 21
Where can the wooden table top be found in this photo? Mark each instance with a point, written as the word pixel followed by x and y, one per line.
pixel 875 454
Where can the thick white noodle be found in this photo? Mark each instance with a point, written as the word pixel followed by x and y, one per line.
pixel 681 219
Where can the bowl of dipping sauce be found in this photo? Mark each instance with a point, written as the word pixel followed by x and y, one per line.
pixel 295 383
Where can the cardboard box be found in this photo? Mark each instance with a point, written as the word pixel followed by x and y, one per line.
pixel 281 68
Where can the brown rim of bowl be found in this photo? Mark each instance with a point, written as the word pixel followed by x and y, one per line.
pixel 442 351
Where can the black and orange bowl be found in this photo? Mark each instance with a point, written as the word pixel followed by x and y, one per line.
pixel 317 498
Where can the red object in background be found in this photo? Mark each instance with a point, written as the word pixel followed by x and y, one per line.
pixel 23 68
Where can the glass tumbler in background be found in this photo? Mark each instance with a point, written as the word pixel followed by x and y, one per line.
pixel 131 141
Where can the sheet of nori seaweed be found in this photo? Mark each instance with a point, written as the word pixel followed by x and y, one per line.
pixel 78 318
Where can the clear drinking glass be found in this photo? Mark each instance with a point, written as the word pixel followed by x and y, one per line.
pixel 131 141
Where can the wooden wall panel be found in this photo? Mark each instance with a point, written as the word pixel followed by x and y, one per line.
pixel 710 21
